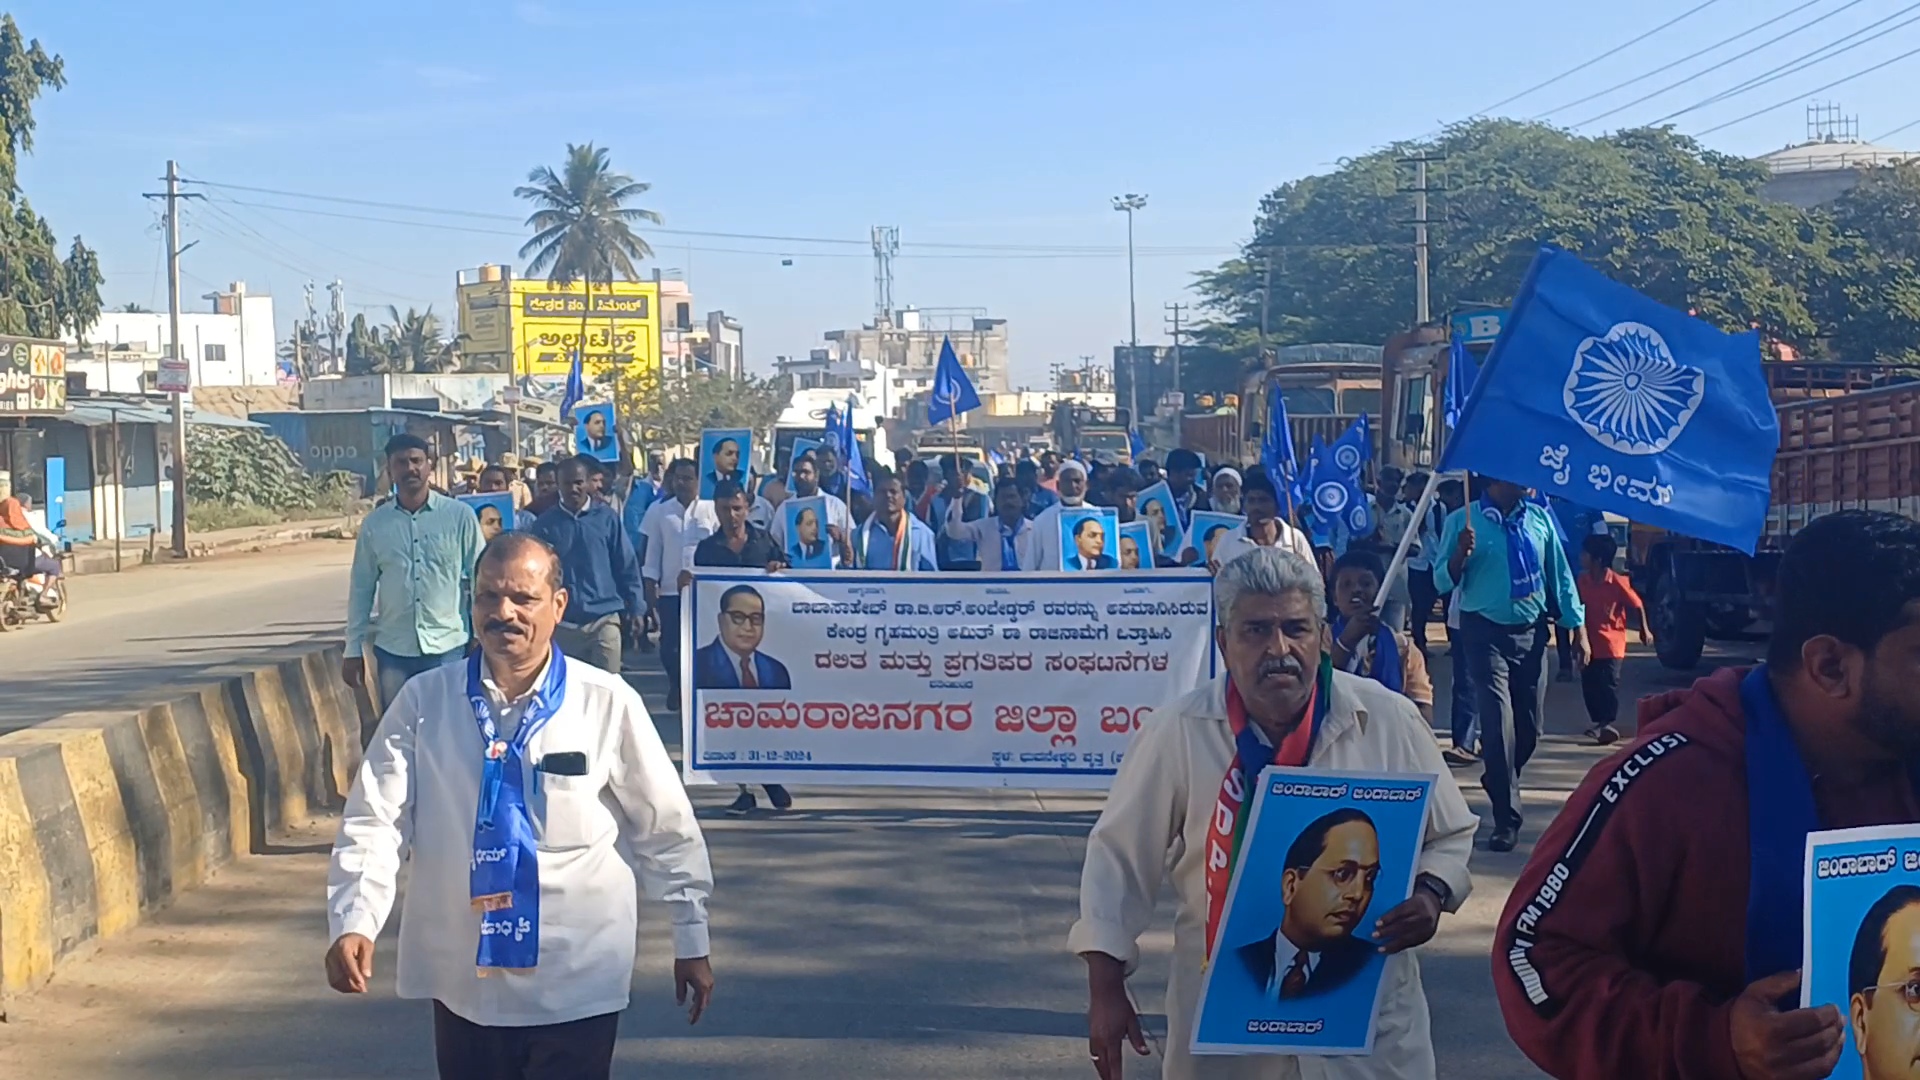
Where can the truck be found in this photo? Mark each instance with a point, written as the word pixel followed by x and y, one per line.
pixel 1086 430
pixel 1323 399
pixel 1849 439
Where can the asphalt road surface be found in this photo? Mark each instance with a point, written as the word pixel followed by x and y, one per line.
pixel 867 934
pixel 155 625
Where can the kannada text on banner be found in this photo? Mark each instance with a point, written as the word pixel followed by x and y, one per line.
pixel 951 680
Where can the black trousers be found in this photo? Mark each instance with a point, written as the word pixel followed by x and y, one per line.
pixel 669 609
pixel 1600 685
pixel 1510 677
pixel 1422 595
pixel 575 1050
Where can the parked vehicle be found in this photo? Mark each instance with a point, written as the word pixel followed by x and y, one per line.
pixel 40 595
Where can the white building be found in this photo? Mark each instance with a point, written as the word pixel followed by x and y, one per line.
pixel 230 345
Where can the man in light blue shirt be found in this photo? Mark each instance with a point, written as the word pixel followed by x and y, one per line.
pixel 1504 555
pixel 414 561
pixel 891 538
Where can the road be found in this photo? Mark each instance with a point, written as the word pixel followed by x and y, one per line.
pixel 151 626
pixel 868 934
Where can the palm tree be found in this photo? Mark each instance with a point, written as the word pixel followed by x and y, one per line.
pixel 415 343
pixel 583 227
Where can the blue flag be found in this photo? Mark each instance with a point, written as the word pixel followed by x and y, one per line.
pixel 1277 455
pixel 1332 484
pixel 1603 396
pixel 1136 446
pixel 856 464
pixel 576 389
pixel 953 392
pixel 1460 375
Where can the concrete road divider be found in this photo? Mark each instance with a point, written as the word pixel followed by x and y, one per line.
pixel 106 816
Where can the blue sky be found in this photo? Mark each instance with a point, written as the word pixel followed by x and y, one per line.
pixel 1002 123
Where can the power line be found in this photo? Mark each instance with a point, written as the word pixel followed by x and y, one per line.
pixel 1065 249
pixel 1801 63
pixel 1898 130
pixel 1731 59
pixel 1575 70
pixel 1809 93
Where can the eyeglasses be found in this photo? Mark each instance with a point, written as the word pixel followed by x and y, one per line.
pixel 744 619
pixel 1909 992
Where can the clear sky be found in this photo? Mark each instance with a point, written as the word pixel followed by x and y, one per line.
pixel 1007 124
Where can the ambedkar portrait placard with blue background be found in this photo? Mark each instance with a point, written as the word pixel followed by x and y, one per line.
pixel 1296 969
pixel 1861 945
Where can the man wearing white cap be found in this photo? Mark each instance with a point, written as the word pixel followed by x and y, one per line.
pixel 1043 551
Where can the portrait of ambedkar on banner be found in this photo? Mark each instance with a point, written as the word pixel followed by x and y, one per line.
pixel 1326 887
pixel 733 660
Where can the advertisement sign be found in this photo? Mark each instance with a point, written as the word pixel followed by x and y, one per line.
pixel 947 680
pixel 533 327
pixel 1296 969
pixel 175 375
pixel 1861 943
pixel 33 376
pixel 1477 327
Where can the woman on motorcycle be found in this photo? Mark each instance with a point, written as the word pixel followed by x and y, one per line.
pixel 18 541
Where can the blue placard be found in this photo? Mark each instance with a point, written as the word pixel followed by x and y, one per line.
pixel 1296 969
pixel 1862 942
pixel 594 433
pixel 495 511
pixel 1136 546
pixel 1155 507
pixel 1089 538
pixel 724 454
pixel 805 527
pixel 1207 529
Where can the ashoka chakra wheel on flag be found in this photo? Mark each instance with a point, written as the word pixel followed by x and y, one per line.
pixel 1330 498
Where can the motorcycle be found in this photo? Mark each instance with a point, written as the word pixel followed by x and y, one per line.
pixel 42 594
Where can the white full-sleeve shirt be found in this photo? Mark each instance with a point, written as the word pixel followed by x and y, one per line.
pixel 1154 827
pixel 415 800
pixel 1043 548
pixel 1235 542
pixel 673 529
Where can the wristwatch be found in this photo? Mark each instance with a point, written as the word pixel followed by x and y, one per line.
pixel 1434 885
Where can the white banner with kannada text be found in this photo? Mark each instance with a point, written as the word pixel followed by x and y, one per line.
pixel 941 680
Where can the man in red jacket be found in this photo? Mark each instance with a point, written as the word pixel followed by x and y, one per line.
pixel 1656 931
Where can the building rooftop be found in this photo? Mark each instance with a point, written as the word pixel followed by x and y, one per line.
pixel 1825 155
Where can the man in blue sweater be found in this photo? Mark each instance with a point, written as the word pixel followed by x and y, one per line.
pixel 602 573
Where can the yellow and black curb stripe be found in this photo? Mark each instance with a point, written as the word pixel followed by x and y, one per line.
pixel 106 816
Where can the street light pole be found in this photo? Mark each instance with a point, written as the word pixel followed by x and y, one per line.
pixel 1128 204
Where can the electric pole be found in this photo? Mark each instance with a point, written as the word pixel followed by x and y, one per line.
pixel 336 323
pixel 1175 311
pixel 1422 314
pixel 1127 204
pixel 1266 289
pixel 177 383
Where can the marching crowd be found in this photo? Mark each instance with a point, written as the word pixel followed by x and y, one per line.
pixel 1630 946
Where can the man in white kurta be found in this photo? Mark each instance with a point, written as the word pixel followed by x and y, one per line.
pixel 1043 549
pixel 1159 812
pixel 606 808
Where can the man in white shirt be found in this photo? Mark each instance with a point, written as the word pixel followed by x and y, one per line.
pixel 674 526
pixel 1264 528
pixel 1070 483
pixel 1001 541
pixel 806 484
pixel 530 794
pixel 1173 786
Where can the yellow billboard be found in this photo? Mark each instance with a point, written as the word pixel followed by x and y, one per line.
pixel 538 325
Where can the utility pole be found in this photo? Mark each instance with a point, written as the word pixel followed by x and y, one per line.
pixel 336 322
pixel 1175 311
pixel 1422 313
pixel 1266 289
pixel 1127 204
pixel 173 195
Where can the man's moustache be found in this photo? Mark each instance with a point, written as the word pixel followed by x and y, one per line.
pixel 1284 666
pixel 501 626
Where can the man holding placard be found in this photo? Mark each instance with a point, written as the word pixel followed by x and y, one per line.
pixel 1280 703
pixel 1657 930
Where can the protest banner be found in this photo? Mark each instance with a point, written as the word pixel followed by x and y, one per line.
pixel 1296 969
pixel 1089 538
pixel 724 455
pixel 951 680
pixel 1861 943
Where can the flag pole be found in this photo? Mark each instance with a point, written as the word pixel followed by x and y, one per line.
pixel 1399 562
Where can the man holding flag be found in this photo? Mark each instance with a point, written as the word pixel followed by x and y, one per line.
pixel 1280 702
pixel 1600 395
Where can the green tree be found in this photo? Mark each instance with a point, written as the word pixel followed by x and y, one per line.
pixel 583 227
pixel 668 411
pixel 1652 208
pixel 39 294
pixel 416 343
pixel 1868 294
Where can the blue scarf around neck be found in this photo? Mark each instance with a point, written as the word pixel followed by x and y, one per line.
pixel 1009 557
pixel 1523 562
pixel 1386 668
pixel 504 877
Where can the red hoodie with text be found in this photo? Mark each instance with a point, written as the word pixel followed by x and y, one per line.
pixel 1623 943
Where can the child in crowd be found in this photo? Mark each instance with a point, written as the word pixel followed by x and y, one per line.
pixel 1607 597
pixel 1365 646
